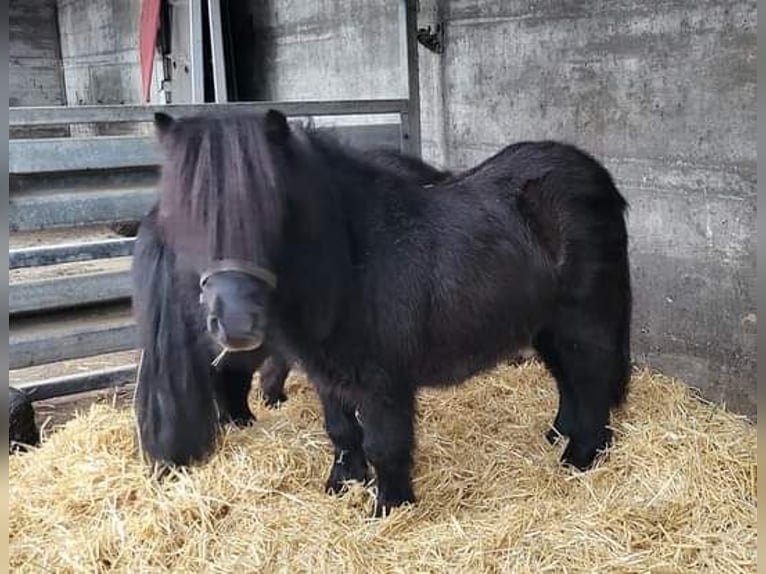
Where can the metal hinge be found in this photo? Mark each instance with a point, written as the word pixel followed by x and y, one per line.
pixel 433 41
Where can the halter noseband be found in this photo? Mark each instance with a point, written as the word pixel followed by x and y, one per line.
pixel 223 265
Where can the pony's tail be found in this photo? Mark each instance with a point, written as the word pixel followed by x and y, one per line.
pixel 174 401
pixel 615 248
pixel 621 384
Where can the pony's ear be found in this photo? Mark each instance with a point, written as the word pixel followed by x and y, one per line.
pixel 276 126
pixel 162 123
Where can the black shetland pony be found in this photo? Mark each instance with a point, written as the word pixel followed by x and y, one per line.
pixel 379 286
pixel 182 397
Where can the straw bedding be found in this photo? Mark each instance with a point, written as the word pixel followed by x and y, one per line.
pixel 675 494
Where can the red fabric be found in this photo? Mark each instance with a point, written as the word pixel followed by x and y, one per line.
pixel 147 39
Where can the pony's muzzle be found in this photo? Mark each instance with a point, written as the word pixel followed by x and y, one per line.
pixel 245 336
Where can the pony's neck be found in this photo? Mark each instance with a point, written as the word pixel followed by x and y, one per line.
pixel 356 178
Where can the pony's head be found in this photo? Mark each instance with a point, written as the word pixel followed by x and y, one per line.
pixel 235 189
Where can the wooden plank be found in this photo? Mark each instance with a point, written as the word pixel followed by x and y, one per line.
pixel 32 211
pixel 69 253
pixel 79 383
pixel 76 154
pixel 66 292
pixel 51 115
pixel 36 341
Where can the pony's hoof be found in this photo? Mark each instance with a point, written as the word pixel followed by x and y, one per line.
pixel 385 504
pixel 553 436
pixel 273 401
pixel 582 455
pixel 239 421
pixel 243 422
pixel 354 468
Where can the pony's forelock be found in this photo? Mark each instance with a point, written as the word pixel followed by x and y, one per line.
pixel 220 192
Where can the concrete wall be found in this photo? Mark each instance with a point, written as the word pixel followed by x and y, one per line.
pixel 99 48
pixel 35 77
pixel 99 40
pixel 663 92
pixel 320 50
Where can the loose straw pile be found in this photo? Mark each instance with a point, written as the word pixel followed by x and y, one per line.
pixel 675 494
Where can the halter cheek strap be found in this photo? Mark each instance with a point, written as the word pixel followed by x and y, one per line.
pixel 223 265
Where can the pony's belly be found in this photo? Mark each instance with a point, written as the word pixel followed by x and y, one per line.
pixel 449 366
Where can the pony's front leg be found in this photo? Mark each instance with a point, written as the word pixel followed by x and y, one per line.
pixel 232 390
pixel 349 462
pixel 273 375
pixel 388 427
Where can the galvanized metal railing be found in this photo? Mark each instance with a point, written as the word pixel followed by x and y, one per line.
pixel 103 180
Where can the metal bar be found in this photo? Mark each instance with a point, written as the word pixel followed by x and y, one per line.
pixel 404 132
pixel 68 292
pixel 75 154
pixel 80 154
pixel 34 212
pixel 79 383
pixel 197 64
pixel 408 28
pixel 42 340
pixel 216 48
pixel 371 136
pixel 69 253
pixel 54 115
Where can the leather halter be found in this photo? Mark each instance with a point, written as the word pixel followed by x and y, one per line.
pixel 240 266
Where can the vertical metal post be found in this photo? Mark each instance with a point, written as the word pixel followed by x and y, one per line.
pixel 216 46
pixel 408 27
pixel 197 63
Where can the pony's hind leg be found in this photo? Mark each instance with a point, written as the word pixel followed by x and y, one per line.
pixel 566 418
pixel 349 462
pixel 584 372
pixel 388 425
pixel 273 375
